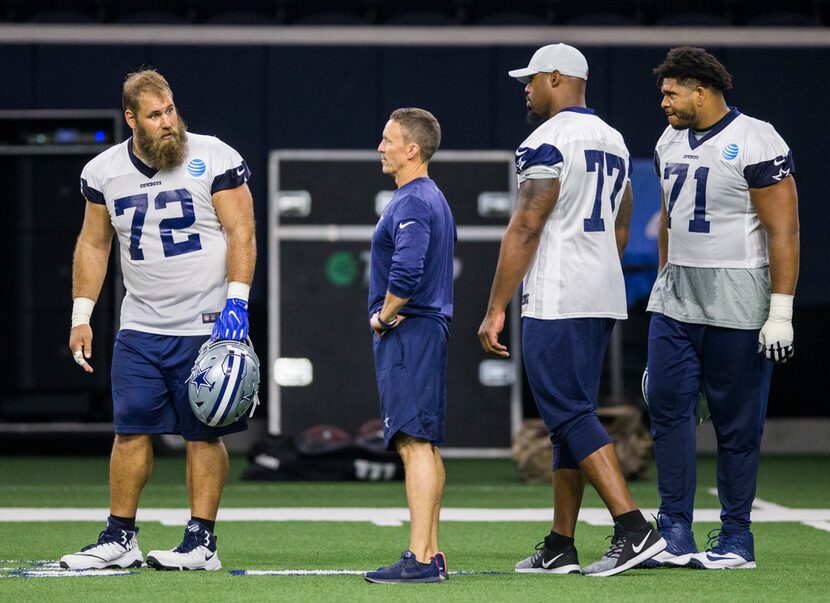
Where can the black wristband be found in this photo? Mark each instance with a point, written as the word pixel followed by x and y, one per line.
pixel 388 325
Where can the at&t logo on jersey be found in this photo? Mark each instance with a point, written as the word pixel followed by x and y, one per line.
pixel 196 167
pixel 730 151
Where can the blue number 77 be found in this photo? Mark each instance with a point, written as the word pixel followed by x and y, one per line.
pixel 603 164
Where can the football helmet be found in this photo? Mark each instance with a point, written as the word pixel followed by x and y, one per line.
pixel 224 382
pixel 701 409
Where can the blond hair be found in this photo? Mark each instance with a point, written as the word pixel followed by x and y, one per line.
pixel 143 81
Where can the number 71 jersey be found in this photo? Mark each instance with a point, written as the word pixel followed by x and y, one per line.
pixel 706 182
pixel 172 246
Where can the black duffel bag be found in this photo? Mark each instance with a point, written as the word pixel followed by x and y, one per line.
pixel 324 453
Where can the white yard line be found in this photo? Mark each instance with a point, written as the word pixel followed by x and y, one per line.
pixel 759 505
pixel 819 525
pixel 387 516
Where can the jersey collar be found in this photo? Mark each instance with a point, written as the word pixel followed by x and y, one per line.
pixel 714 130
pixel 585 110
pixel 139 165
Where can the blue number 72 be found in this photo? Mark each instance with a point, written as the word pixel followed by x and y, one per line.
pixel 166 226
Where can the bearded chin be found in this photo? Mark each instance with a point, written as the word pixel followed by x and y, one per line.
pixel 685 120
pixel 162 154
pixel 533 117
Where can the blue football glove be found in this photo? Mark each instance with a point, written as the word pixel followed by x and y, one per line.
pixel 232 322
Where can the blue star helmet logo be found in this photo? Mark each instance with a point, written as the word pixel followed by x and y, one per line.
pixel 199 379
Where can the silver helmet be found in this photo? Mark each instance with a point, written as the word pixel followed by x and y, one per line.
pixel 701 409
pixel 224 381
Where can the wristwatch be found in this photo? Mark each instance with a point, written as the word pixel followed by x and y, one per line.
pixel 388 325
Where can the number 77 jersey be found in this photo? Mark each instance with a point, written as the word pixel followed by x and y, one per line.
pixel 706 180
pixel 172 247
pixel 576 272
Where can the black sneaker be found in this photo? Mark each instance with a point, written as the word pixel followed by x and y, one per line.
pixel 627 550
pixel 546 561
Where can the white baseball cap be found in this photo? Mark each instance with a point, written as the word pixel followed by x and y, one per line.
pixel 565 59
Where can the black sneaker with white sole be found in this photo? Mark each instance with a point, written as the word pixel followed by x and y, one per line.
pixel 628 549
pixel 547 561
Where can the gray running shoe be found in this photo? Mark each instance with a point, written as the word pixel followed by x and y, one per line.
pixel 626 551
pixel 546 561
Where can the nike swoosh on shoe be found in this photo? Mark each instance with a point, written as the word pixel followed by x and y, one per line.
pixel 549 563
pixel 640 546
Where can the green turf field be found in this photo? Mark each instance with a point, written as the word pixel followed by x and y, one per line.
pixel 793 558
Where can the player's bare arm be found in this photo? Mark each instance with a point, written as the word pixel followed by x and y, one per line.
pixel 89 269
pixel 536 200
pixel 235 210
pixel 777 208
pixel 388 316
pixel 663 236
pixel 622 225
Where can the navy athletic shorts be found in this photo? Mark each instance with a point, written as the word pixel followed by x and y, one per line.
pixel 411 370
pixel 149 389
pixel 563 360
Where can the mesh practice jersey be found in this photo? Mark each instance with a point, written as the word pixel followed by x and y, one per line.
pixel 173 247
pixel 706 182
pixel 576 271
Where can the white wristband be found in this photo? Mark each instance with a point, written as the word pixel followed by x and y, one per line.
pixel 781 307
pixel 81 311
pixel 237 290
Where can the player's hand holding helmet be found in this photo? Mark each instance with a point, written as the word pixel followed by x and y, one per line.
pixel 776 336
pixel 233 321
pixel 224 382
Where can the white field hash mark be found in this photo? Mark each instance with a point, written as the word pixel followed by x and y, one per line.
pixel 45 568
pixel 395 516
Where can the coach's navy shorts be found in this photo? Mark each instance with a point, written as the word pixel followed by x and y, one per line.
pixel 411 370
pixel 563 359
pixel 149 389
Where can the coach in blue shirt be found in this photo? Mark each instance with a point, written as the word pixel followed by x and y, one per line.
pixel 410 308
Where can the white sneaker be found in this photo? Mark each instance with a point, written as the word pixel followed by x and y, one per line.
pixel 115 548
pixel 730 551
pixel 196 552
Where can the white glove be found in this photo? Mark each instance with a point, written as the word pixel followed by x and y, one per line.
pixel 776 336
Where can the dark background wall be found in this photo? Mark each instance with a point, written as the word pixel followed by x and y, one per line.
pixel 260 98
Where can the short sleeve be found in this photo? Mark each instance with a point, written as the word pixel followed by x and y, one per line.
pixel 230 170
pixel 90 186
pixel 767 158
pixel 544 161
